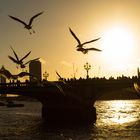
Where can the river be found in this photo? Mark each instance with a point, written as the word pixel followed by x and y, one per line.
pixel 116 119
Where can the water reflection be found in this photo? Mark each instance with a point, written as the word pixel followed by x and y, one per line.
pixel 115 120
pixel 117 112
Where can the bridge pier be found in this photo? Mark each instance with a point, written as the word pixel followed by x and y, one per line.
pixel 68 111
pixel 68 116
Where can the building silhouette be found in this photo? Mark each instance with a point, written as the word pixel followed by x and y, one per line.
pixel 2 78
pixel 36 70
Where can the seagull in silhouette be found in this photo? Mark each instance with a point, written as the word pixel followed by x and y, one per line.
pixel 29 25
pixel 7 74
pixel 60 78
pixel 17 60
pixel 81 45
pixel 137 87
pixel 22 74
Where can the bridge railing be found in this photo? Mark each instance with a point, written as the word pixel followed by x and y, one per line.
pixel 18 84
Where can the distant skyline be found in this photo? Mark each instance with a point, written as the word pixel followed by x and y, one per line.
pixel 115 22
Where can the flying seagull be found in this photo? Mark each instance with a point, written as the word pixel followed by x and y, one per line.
pixel 81 45
pixel 29 25
pixel 17 60
pixel 22 74
pixel 137 87
pixel 7 74
pixel 60 78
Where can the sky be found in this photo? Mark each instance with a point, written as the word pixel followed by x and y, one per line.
pixel 116 22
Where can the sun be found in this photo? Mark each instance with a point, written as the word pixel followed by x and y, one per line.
pixel 118 45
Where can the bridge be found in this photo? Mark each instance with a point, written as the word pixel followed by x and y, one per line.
pixel 65 103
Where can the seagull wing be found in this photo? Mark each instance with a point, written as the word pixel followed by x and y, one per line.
pixel 22 74
pixel 25 56
pixel 137 87
pixel 73 34
pixel 7 74
pixel 18 20
pixel 15 54
pixel 31 20
pixel 58 75
pixel 61 79
pixel 58 86
pixel 14 60
pixel 32 60
pixel 93 49
pixel 90 41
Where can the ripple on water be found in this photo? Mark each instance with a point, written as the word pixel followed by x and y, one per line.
pixel 115 120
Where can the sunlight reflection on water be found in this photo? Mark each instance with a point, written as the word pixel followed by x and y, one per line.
pixel 117 112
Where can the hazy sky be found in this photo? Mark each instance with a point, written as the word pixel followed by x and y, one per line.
pixel 117 22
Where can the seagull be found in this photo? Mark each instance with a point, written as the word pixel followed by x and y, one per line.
pixel 81 45
pixel 137 87
pixel 7 74
pixel 60 78
pixel 17 60
pixel 29 25
pixel 22 74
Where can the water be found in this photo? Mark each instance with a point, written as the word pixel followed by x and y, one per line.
pixel 115 120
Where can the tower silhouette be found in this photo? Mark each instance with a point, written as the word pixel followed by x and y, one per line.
pixel 35 69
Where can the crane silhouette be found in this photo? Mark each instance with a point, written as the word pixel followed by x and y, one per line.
pixel 80 46
pixel 20 61
pixel 29 25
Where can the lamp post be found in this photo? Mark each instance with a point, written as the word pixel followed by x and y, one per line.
pixel 45 75
pixel 87 67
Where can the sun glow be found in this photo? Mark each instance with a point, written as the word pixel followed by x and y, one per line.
pixel 118 45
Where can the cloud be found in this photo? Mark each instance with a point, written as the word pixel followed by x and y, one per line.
pixel 43 61
pixel 66 63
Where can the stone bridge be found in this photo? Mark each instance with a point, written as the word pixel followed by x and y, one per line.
pixel 64 103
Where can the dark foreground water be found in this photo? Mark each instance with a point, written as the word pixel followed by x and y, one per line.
pixel 117 120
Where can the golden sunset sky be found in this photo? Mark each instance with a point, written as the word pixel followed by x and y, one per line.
pixel 117 22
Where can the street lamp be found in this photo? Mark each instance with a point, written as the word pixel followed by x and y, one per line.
pixel 87 67
pixel 45 75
